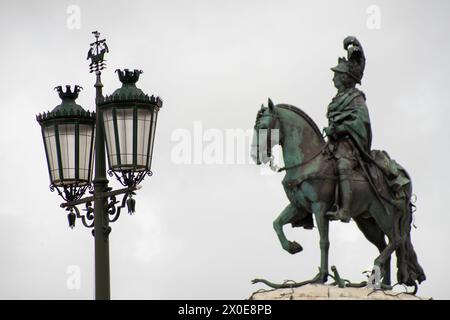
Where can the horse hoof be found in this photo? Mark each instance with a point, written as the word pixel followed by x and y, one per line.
pixel 294 247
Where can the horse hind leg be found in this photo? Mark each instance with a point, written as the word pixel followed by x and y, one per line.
pixel 376 236
pixel 390 227
pixel 285 217
pixel 408 268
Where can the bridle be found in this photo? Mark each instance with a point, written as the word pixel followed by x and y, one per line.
pixel 272 166
pixel 271 126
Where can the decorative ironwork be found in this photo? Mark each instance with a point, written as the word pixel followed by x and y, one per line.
pixel 87 219
pixel 111 209
pixel 131 204
pixel 68 94
pixel 114 211
pixel 130 178
pixel 96 53
pixel 72 192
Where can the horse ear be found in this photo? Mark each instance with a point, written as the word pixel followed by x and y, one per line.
pixel 262 107
pixel 271 105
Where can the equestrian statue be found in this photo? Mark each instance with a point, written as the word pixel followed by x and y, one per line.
pixel 336 176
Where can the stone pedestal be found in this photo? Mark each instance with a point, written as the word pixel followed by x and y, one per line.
pixel 327 292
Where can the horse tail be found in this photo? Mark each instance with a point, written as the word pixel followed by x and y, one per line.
pixel 408 268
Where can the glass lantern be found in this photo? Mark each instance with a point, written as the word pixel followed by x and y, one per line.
pixel 129 120
pixel 68 135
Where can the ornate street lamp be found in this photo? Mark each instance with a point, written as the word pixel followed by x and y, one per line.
pixel 129 119
pixel 126 122
pixel 68 134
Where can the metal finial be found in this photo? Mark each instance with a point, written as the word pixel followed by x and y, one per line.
pixel 96 34
pixel 96 53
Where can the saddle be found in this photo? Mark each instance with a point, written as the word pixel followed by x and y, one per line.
pixel 390 179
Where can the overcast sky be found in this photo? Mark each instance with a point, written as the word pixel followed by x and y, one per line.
pixel 204 231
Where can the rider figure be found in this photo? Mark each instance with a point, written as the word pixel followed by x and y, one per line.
pixel 348 128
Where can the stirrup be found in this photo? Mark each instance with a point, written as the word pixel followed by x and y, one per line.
pixel 332 215
pixel 337 215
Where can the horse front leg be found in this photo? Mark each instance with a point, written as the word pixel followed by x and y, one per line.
pixel 284 218
pixel 323 226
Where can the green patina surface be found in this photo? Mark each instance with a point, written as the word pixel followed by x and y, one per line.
pixel 348 117
pixel 344 173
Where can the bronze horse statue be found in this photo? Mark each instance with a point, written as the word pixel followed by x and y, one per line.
pixel 310 185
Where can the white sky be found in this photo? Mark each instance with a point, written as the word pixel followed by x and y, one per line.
pixel 204 231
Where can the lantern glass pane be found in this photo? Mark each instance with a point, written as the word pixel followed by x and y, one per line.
pixel 144 117
pixel 110 138
pixel 85 152
pixel 152 137
pixel 67 145
pixel 50 145
pixel 125 130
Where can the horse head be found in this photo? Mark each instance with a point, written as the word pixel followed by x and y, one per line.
pixel 266 133
pixel 288 126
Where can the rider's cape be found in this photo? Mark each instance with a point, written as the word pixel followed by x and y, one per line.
pixel 349 113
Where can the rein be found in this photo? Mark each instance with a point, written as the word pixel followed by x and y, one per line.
pixel 274 119
pixel 304 162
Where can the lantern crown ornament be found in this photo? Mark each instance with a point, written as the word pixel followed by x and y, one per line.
pixel 69 94
pixel 129 92
pixel 68 135
pixel 68 106
pixel 129 77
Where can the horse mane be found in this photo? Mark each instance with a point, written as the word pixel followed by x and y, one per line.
pixel 305 116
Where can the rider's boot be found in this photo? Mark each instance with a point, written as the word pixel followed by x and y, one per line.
pixel 345 187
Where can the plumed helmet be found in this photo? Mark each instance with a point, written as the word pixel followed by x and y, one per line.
pixel 356 61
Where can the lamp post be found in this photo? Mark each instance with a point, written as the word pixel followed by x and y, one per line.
pixel 75 139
